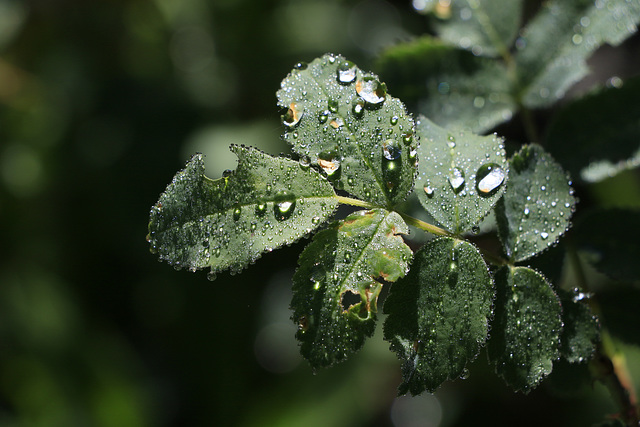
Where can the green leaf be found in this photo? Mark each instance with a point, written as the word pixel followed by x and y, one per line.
pixel 556 43
pixel 341 273
pixel 451 86
pixel 525 333
pixel 486 28
pixel 265 203
pixel 581 331
pixel 537 205
pixel 342 119
pixel 598 136
pixel 609 238
pixel 438 314
pixel 461 175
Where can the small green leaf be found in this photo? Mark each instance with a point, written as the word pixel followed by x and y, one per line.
pixel 609 239
pixel 581 331
pixel 598 135
pixel 486 28
pixel 537 205
pixel 556 43
pixel 525 333
pixel 265 203
pixel 451 86
pixel 342 119
pixel 438 314
pixel 461 175
pixel 336 287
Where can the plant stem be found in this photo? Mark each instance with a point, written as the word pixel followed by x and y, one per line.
pixel 608 366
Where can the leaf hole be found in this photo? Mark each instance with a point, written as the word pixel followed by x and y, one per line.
pixel 349 299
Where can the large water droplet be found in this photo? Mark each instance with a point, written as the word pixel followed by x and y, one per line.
pixel 358 108
pixel 261 208
pixel 346 72
pixel 293 115
pixel 284 205
pixel 428 190
pixel 236 213
pixel 456 179
pixel 323 117
pixel 329 163
pixel 333 105
pixel 391 149
pixel 489 178
pixel 371 90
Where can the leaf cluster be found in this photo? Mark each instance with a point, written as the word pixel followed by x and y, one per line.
pixel 354 143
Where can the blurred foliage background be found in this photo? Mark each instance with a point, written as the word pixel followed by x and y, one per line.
pixel 101 102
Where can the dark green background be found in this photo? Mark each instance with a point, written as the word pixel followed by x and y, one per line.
pixel 101 102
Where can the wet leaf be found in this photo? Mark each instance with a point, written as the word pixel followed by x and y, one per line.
pixel 451 86
pixel 461 175
pixel 537 205
pixel 598 135
pixel 336 287
pixel 557 41
pixel 265 203
pixel 485 27
pixel 341 119
pixel 609 240
pixel 581 331
pixel 525 333
pixel 439 313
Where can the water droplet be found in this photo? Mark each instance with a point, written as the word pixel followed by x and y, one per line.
pixel 489 178
pixel 393 120
pixel 451 142
pixel 305 162
pixel 329 164
pixel 526 211
pixel 285 204
pixel 371 90
pixel 301 66
pixel 456 179
pixel 464 374
pixel 333 105
pixel 337 122
pixel 358 109
pixel 293 115
pixel 315 220
pixel 227 173
pixel 236 213
pixel 261 208
pixel 407 138
pixel 323 117
pixel 428 190
pixel 346 72
pixel 391 149
pixel 544 235
pixel 211 276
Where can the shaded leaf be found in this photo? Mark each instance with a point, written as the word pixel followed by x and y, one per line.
pixel 485 27
pixel 557 41
pixel 438 314
pixel 336 287
pixel 609 238
pixel 581 331
pixel 265 203
pixel 525 333
pixel 342 119
pixel 461 175
pixel 598 135
pixel 537 205
pixel 451 86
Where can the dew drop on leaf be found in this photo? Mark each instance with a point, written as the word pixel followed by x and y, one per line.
pixel 428 190
pixel 261 208
pixel 358 109
pixel 391 149
pixel 293 115
pixel 236 213
pixel 489 178
pixel 323 117
pixel 371 90
pixel 333 105
pixel 456 179
pixel 346 72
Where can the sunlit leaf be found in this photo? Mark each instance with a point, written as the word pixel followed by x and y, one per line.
pixel 485 27
pixel 556 43
pixel 581 330
pixel 537 205
pixel 336 287
pixel 609 240
pixel 265 203
pixel 451 86
pixel 341 119
pixel 525 333
pixel 439 313
pixel 598 136
pixel 460 175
